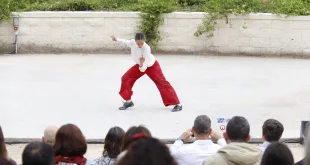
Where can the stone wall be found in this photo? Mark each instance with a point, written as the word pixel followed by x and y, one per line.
pixel 89 32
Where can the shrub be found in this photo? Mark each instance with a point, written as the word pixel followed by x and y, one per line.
pixel 151 15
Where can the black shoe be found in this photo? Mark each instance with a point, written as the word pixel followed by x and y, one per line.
pixel 177 108
pixel 126 105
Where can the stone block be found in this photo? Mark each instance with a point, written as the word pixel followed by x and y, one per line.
pixel 260 42
pixel 306 52
pixel 223 24
pixel 73 22
pixel 229 32
pixel 56 40
pixel 51 22
pixel 176 41
pixel 25 40
pixel 180 22
pixel 168 31
pixel 5 31
pixel 7 39
pixel 25 30
pixel 123 31
pixel 132 22
pixel 306 34
pixel 257 24
pixel 61 48
pixel 300 25
pixel 30 22
pixel 41 49
pixel 94 22
pixel 116 22
pixel 24 48
pixel 280 43
pixel 281 24
pixel 41 40
pixel 83 30
pixel 227 50
pixel 231 42
pixel 41 31
pixel 250 51
pixel 77 48
pixel 296 52
pixel 6 24
pixel 61 31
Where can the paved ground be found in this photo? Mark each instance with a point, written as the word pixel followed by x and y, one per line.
pixel 94 151
pixel 40 90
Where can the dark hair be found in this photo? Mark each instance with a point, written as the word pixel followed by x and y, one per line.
pixel 148 151
pixel 277 153
pixel 3 151
pixel 131 132
pixel 70 141
pixel 4 161
pixel 139 36
pixel 238 129
pixel 38 153
pixel 202 125
pixel 113 142
pixel 272 130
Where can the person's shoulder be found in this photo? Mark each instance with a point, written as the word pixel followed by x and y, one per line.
pixel 12 161
pixel 212 159
pixel 90 162
pixel 300 162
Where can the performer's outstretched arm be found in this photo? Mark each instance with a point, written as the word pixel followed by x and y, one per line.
pixel 128 43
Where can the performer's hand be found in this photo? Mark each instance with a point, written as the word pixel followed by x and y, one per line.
pixel 113 38
pixel 186 136
pixel 215 136
pixel 142 59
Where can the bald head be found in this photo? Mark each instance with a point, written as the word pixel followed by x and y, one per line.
pixel 49 135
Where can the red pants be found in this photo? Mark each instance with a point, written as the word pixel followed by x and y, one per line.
pixel 155 73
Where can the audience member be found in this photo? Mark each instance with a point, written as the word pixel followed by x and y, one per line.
pixel 70 146
pixel 38 153
pixel 277 154
pixel 49 135
pixel 132 134
pixel 306 160
pixel 4 161
pixel 3 151
pixel 237 151
pixel 272 132
pixel 112 146
pixel 147 151
pixel 194 154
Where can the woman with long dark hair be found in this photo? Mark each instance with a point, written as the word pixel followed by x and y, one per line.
pixel 112 146
pixel 3 151
pixel 147 151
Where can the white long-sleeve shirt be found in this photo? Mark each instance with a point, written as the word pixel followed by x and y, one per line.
pixel 264 146
pixel 137 52
pixel 195 153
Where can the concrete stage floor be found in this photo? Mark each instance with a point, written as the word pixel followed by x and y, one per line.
pixel 41 90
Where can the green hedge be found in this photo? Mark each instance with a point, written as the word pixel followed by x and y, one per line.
pixel 152 10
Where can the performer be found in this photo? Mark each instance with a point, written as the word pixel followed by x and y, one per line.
pixel 145 64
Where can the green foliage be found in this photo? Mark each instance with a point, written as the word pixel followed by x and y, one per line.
pixel 5 10
pixel 292 7
pixel 192 2
pixel 151 15
pixel 221 9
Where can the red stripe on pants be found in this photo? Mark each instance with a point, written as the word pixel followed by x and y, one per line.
pixel 155 73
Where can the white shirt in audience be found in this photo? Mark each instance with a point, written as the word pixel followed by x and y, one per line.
pixel 264 146
pixel 195 153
